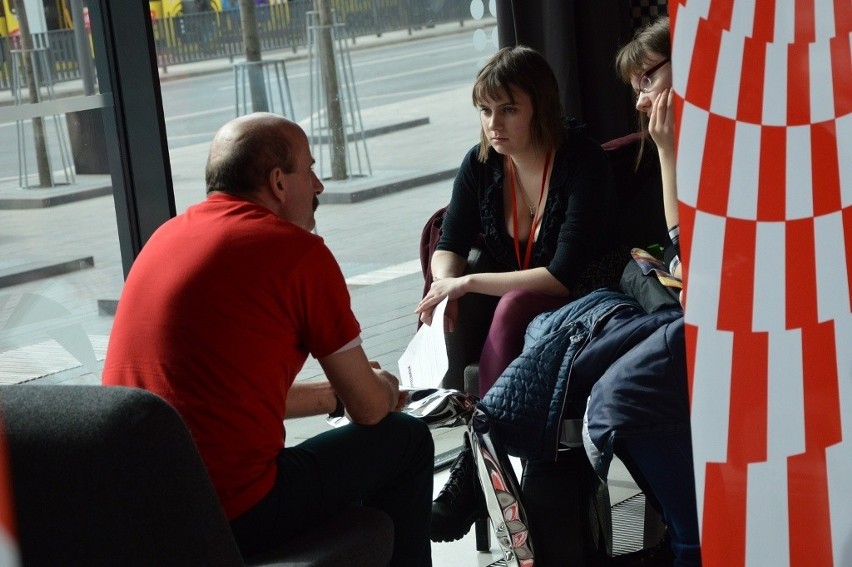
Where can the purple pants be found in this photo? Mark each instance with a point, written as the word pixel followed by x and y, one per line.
pixel 505 339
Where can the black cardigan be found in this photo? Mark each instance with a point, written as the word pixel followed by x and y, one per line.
pixel 576 227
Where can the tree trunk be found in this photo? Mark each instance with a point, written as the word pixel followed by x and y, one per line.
pixel 45 177
pixel 337 138
pixel 251 40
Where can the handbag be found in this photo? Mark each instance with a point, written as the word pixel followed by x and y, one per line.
pixel 502 492
pixel 646 279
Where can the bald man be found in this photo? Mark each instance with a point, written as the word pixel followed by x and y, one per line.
pixel 218 315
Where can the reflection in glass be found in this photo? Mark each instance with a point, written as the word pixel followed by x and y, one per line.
pixel 58 237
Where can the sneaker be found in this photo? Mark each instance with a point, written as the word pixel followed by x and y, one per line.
pixel 460 502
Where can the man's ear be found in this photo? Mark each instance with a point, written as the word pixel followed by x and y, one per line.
pixel 278 184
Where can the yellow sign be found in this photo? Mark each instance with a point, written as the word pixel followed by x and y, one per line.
pixel 11 20
pixel 171 8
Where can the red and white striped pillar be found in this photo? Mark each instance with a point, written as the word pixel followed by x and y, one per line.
pixel 764 138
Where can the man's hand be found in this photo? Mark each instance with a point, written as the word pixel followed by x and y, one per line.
pixel 398 398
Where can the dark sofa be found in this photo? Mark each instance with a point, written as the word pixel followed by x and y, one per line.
pixel 111 476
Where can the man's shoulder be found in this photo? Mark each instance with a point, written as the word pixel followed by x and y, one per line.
pixel 239 232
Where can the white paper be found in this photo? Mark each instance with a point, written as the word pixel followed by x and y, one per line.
pixel 424 362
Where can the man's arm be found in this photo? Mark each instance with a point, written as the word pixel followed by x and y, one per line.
pixel 310 398
pixel 368 393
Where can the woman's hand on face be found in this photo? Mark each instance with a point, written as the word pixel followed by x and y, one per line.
pixel 661 121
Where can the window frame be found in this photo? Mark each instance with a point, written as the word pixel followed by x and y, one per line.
pixel 139 162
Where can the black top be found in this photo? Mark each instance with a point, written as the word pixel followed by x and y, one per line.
pixel 575 229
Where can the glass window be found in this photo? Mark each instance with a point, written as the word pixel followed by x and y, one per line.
pixel 403 73
pixel 94 160
pixel 64 168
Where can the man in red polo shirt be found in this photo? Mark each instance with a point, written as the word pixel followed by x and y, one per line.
pixel 218 314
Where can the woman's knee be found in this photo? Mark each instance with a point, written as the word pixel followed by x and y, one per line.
pixel 521 305
pixel 511 311
pixel 515 299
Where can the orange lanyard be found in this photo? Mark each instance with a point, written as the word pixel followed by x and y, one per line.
pixel 536 219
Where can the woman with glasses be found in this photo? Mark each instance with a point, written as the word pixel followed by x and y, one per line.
pixel 645 64
pixel 658 458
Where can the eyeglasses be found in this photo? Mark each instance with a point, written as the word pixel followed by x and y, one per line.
pixel 645 82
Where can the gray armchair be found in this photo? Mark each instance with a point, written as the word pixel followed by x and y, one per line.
pixel 111 476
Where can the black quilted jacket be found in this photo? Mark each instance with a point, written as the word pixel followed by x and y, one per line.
pixel 529 401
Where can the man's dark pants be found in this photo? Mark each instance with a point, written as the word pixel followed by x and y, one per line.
pixel 388 466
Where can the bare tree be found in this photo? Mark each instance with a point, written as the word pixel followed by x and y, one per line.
pixel 251 40
pixel 332 90
pixel 45 178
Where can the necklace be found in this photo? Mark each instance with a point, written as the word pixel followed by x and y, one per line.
pixel 523 192
pixel 523 265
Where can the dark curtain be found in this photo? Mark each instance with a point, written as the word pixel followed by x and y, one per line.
pixel 579 38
